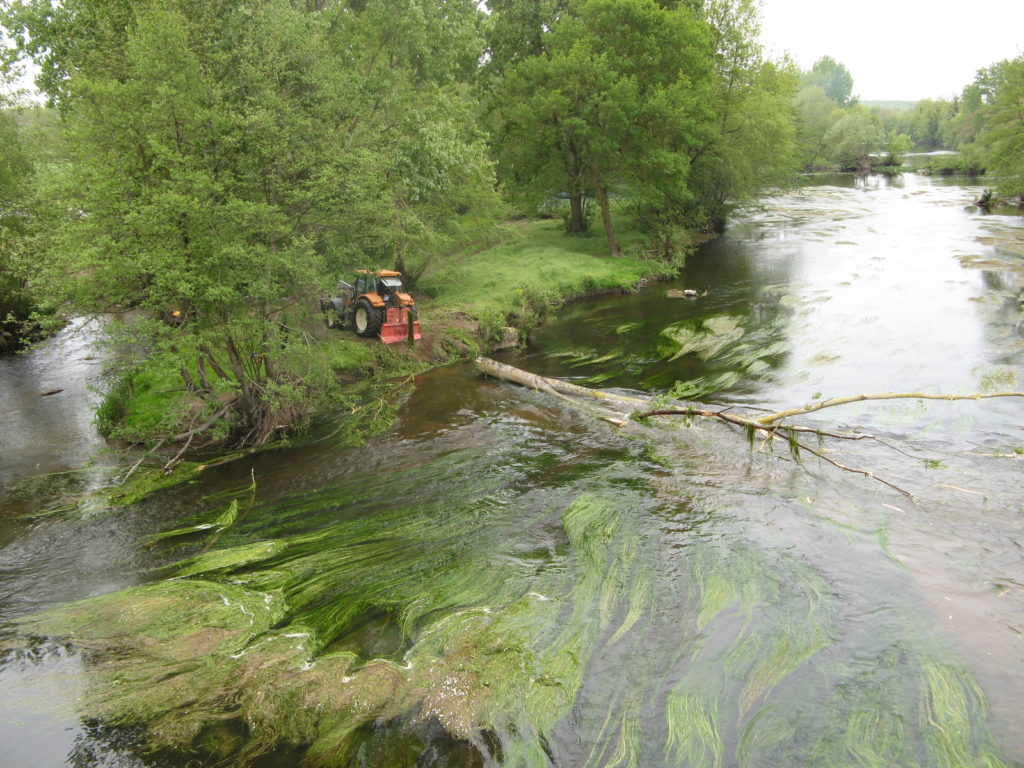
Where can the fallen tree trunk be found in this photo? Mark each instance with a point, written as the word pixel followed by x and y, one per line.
pixel 773 426
pixel 544 384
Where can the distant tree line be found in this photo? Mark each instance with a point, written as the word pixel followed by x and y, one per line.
pixel 985 124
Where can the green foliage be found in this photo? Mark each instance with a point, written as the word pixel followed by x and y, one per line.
pixel 832 77
pixel 751 143
pixel 852 138
pixel 896 146
pixel 1003 135
pixel 619 91
pixel 669 106
pixel 223 160
pixel 24 315
pixel 114 407
pixel 814 117
pixel 966 163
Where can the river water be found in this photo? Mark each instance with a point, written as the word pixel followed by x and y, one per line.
pixel 503 579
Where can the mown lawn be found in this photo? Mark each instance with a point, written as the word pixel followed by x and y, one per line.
pixel 542 263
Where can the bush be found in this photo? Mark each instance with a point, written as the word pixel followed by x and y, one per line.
pixel 963 164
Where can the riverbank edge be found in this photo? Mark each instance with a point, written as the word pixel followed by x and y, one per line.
pixel 451 334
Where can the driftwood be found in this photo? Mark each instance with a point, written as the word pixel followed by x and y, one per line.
pixel 771 426
pixel 544 384
pixel 563 390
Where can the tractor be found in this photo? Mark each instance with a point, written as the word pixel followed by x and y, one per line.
pixel 375 305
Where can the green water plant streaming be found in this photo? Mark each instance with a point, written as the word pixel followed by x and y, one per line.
pixel 553 607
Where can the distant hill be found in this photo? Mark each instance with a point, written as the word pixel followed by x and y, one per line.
pixel 901 105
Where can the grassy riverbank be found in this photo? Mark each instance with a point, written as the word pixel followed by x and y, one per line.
pixel 470 303
pixel 522 280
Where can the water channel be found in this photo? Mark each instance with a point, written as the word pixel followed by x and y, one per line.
pixel 505 580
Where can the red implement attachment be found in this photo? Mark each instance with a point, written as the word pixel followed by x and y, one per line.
pixel 396 325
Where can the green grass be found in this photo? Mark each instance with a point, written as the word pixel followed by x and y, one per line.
pixel 156 393
pixel 543 265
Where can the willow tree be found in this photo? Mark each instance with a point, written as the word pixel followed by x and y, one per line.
pixel 752 142
pixel 1003 134
pixel 226 158
pixel 614 104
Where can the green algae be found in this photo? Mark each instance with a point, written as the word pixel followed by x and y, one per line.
pixel 225 520
pixel 507 603
pixel 706 339
pixel 694 737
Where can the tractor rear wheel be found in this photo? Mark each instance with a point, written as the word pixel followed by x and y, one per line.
pixel 366 318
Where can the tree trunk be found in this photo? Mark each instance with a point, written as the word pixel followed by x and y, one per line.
pixel 772 427
pixel 203 378
pixel 247 401
pixel 606 218
pixel 544 384
pixel 577 223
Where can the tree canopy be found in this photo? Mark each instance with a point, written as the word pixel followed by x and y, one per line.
pixel 221 161
pixel 832 77
pixel 666 106
pixel 1003 131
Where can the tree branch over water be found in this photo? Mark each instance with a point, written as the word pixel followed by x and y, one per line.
pixel 780 415
pixel 772 425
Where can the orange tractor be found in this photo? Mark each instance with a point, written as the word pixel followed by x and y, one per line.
pixel 376 305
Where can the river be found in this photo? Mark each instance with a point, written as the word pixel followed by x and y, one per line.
pixel 502 579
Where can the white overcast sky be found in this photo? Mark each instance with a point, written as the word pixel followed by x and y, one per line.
pixel 897 49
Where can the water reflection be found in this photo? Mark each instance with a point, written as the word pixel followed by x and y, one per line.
pixel 845 286
pixel 504 580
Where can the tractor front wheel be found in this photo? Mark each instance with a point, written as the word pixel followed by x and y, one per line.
pixel 367 319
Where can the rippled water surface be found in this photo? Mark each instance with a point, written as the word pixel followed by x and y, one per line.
pixel 506 580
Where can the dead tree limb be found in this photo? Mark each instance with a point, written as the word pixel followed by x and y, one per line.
pixel 772 425
pixel 544 384
pixel 771 418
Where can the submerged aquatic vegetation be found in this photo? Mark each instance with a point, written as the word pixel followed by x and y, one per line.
pixel 553 609
pixel 705 339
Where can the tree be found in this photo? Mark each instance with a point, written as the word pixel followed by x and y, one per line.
pixel 1003 135
pixel 834 78
pixel 225 158
pixel 618 102
pixel 13 169
pixel 930 124
pixel 770 426
pixel 517 31
pixel 23 315
pixel 968 121
pixel 896 146
pixel 852 138
pixel 752 140
pixel 815 114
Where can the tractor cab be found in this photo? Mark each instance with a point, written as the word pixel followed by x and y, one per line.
pixel 384 285
pixel 375 304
